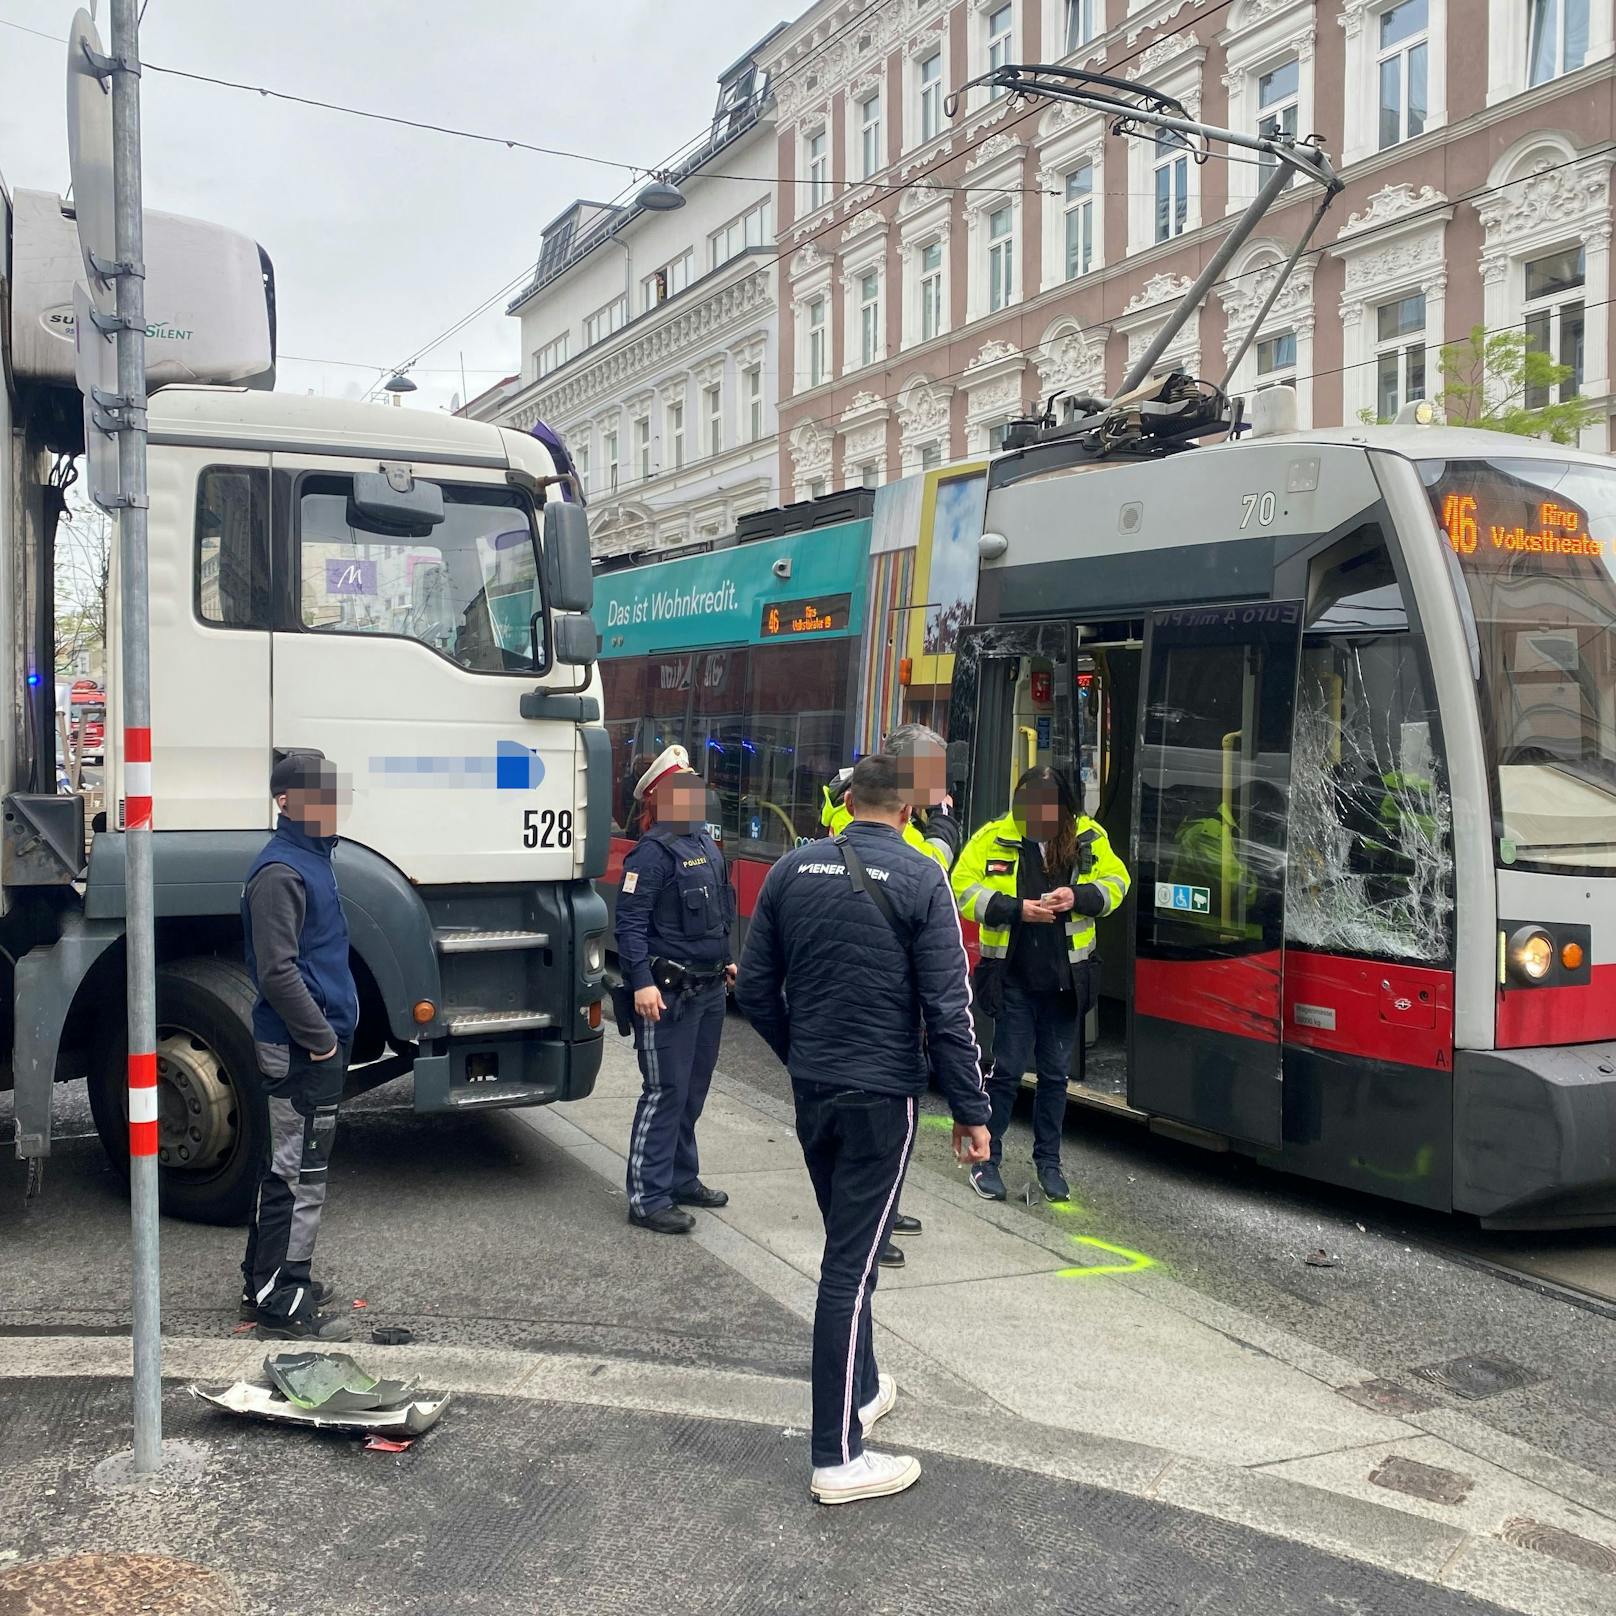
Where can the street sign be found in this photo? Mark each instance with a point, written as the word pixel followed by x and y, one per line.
pixel 89 151
pixel 95 362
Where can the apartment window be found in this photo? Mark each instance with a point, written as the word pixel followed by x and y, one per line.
pixel 752 387
pixel 816 342
pixel 712 405
pixel 1079 217
pixel 931 456
pixel 1276 358
pixel 1399 362
pixel 642 448
pixel 1556 38
pixel 1278 97
pixel 870 474
pixel 669 281
pixel 552 356
pixel 1000 27
pixel 1554 319
pixel 816 488
pixel 1001 258
pixel 931 96
pixel 817 170
pixel 676 435
pixel 869 317
pixel 603 322
pixel 608 453
pixel 580 462
pixel 754 228
pixel 996 436
pixel 1402 66
pixel 870 135
pixel 1171 188
pixel 931 291
pixel 1080 23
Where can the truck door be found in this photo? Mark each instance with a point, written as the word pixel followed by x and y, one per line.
pixel 1209 866
pixel 404 657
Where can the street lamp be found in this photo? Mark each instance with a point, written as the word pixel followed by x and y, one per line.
pixel 398 384
pixel 660 196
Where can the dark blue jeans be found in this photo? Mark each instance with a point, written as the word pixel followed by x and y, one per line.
pixel 856 1145
pixel 677 1056
pixel 1033 1033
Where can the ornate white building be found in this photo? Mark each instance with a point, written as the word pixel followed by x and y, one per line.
pixel 650 341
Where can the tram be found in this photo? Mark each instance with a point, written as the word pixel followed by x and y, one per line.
pixel 1348 699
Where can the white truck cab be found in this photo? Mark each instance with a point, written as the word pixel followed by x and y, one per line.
pixel 403 591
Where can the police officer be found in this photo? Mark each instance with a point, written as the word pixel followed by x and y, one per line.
pixel 1035 881
pixel 674 911
pixel 921 756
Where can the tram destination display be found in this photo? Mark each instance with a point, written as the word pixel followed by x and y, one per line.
pixel 785 619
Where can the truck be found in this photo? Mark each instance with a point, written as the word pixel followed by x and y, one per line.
pixel 402 590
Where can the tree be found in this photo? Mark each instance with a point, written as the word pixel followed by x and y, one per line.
pixel 1496 381
pixel 83 569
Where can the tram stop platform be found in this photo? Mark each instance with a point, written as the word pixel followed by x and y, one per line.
pixel 628 1424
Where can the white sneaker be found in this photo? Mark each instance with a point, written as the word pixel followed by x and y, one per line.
pixel 880 1405
pixel 871 1475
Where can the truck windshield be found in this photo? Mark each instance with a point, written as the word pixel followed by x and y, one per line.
pixel 1536 545
pixel 468 590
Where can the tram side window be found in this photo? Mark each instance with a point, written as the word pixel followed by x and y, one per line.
pixel 717 735
pixel 1370 867
pixel 796 742
pixel 623 692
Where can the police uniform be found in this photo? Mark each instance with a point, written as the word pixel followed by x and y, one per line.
pixel 674 912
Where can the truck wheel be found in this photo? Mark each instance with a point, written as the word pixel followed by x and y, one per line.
pixel 212 1116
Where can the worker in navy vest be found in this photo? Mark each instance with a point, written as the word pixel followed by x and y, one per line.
pixel 674 911
pixel 303 1027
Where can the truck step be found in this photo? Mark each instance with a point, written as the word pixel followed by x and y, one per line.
pixel 467 941
pixel 477 1023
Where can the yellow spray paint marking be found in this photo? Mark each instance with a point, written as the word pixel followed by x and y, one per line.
pixel 1128 1262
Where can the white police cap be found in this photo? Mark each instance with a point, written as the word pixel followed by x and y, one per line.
pixel 675 760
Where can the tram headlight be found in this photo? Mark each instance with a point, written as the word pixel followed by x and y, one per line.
pixel 1531 953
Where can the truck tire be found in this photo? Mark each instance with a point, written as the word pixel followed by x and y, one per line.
pixel 213 1118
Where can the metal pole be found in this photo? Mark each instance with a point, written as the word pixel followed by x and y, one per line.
pixel 1215 266
pixel 139 941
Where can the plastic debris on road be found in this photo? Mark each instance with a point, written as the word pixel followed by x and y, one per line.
pixel 1321 1259
pixel 329 1391
pixel 386 1444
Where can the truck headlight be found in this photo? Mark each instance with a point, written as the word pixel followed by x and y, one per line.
pixel 594 954
pixel 1531 953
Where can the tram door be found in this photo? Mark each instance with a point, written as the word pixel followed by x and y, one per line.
pixel 1011 708
pixel 1213 782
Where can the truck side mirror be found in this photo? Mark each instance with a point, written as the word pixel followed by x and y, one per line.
pixel 574 638
pixel 569 578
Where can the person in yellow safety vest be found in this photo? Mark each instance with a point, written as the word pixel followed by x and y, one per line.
pixel 922 758
pixel 1034 882
pixel 1198 860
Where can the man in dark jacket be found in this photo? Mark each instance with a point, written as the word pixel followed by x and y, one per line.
pixel 303 1027
pixel 854 949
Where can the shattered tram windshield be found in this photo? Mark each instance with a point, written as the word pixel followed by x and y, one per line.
pixel 1536 545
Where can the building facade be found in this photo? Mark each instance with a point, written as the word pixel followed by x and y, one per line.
pixel 649 341
pixel 937 273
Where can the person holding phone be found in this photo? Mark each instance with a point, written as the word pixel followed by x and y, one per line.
pixel 303 1025
pixel 1035 882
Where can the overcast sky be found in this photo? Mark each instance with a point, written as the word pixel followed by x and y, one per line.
pixel 383 237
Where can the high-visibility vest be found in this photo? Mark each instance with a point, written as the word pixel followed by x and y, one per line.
pixel 835 816
pixel 991 862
